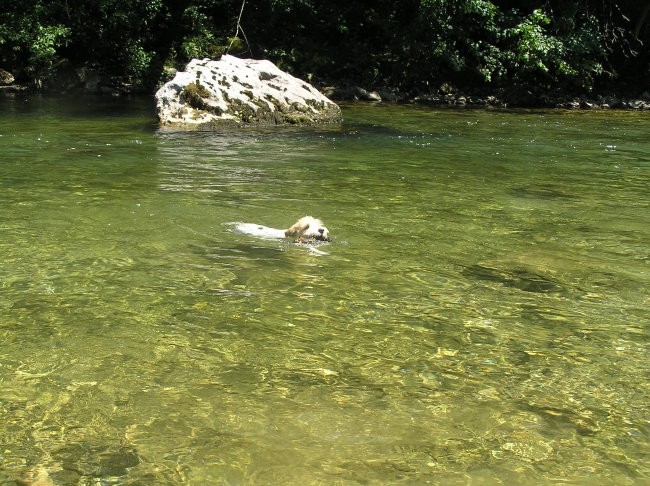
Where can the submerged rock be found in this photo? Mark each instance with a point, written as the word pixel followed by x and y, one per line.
pixel 234 91
pixel 518 278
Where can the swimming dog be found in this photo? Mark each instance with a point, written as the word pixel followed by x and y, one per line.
pixel 305 230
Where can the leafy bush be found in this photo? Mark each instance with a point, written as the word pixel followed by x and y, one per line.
pixel 29 43
pixel 409 44
pixel 570 56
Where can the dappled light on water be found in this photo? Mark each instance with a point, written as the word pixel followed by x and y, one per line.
pixel 480 316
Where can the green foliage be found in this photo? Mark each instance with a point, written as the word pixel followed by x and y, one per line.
pixel 534 50
pixel 475 42
pixel 570 56
pixel 206 45
pixel 29 43
pixel 409 44
pixel 42 43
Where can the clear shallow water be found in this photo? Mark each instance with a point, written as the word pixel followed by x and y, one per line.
pixel 480 317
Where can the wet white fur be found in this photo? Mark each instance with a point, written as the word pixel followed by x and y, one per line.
pixel 259 231
pixel 305 227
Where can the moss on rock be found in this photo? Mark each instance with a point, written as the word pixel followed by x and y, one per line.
pixel 194 93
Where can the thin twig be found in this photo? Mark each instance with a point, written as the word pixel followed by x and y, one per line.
pixel 239 28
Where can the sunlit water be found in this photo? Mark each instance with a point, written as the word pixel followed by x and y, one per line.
pixel 480 317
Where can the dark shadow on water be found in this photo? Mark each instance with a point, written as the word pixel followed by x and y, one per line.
pixel 517 278
pixel 543 192
pixel 93 461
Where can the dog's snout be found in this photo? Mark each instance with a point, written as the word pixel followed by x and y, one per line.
pixel 321 230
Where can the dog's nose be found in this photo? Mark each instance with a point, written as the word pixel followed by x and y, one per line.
pixel 321 230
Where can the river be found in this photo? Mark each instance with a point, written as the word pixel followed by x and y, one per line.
pixel 480 316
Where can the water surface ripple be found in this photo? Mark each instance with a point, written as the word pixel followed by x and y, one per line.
pixel 480 317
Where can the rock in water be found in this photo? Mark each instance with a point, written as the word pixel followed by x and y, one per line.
pixel 234 91
pixel 6 78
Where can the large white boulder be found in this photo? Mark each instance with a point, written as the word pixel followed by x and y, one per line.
pixel 240 92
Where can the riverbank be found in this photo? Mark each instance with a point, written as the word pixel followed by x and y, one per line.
pixel 445 96
pixel 449 96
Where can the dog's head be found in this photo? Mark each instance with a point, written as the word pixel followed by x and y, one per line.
pixel 308 228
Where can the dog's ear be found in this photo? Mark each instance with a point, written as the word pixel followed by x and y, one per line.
pixel 297 229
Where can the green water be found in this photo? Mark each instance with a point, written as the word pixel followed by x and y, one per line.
pixel 480 317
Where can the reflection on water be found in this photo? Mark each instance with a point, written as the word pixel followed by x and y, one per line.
pixel 481 315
